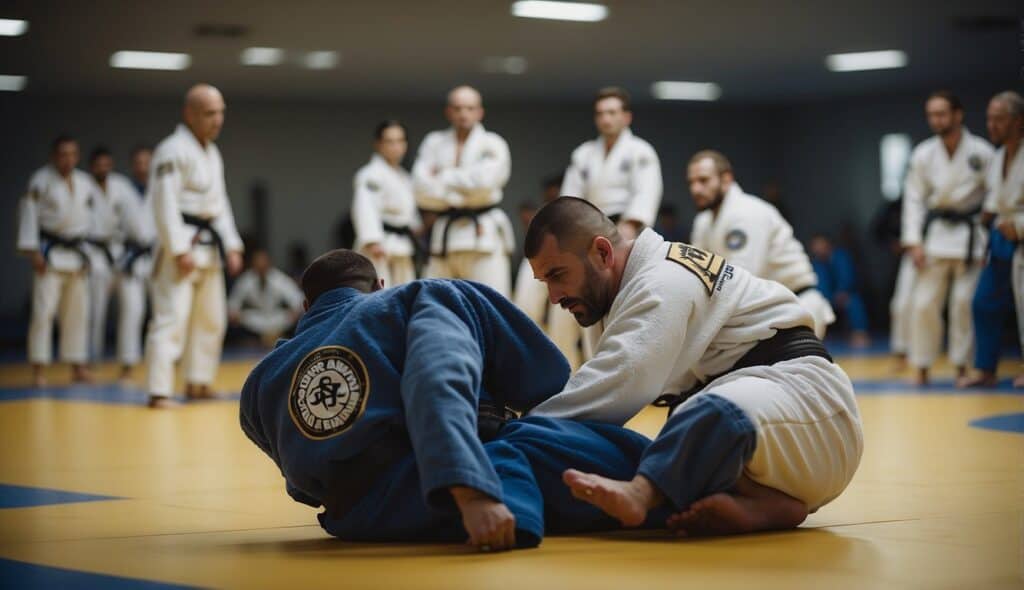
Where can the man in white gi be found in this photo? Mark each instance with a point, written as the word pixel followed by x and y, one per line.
pixel 459 174
pixel 763 429
pixel 618 172
pixel 1004 205
pixel 264 300
pixel 197 238
pixel 52 227
pixel 751 234
pixel 112 200
pixel 943 195
pixel 135 265
pixel 384 213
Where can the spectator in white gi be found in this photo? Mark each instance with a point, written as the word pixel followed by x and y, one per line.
pixel 135 265
pixel 264 300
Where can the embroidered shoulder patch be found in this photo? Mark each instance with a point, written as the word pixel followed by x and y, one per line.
pixel 707 266
pixel 975 162
pixel 164 168
pixel 329 392
pixel 372 186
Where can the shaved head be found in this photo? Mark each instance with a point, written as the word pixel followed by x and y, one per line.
pixel 204 112
pixel 465 94
pixel 465 109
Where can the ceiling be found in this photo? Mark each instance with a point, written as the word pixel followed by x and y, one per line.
pixel 415 49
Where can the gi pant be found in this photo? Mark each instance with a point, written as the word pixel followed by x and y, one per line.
pixel 793 426
pixel 395 270
pixel 993 304
pixel 1018 291
pixel 65 293
pixel 899 306
pixel 101 285
pixel 489 268
pixel 189 309
pixel 131 300
pixel 529 457
pixel 929 294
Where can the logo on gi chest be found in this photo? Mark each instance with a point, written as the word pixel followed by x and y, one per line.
pixel 735 239
pixel 329 392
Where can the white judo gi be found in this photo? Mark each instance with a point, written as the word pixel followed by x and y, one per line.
pixel 473 237
pixel 1006 200
pixel 57 209
pixel 750 233
pixel 188 180
pixel 135 267
pixel 268 307
pixel 111 204
pixel 682 316
pixel 384 212
pixel 900 305
pixel 939 187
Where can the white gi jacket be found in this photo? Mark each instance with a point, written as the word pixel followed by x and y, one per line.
pixel 111 211
pixel 475 181
pixel 51 205
pixel 279 292
pixel 384 195
pixel 1006 195
pixel 937 182
pixel 187 178
pixel 750 233
pixel 680 317
pixel 625 182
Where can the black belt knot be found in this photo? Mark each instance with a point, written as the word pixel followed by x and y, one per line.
pixel 453 215
pixel 202 223
pixel 959 217
pixel 74 244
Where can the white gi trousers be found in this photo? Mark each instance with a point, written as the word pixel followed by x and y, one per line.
pixel 65 293
pixel 101 284
pixel 395 270
pixel 192 310
pixel 820 309
pixel 489 268
pixel 131 301
pixel 929 295
pixel 809 436
pixel 899 306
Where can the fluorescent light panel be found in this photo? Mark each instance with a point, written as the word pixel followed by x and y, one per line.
pixel 866 60
pixel 321 60
pixel 12 83
pixel 512 64
pixel 667 90
pixel 150 60
pixel 12 28
pixel 262 56
pixel 572 11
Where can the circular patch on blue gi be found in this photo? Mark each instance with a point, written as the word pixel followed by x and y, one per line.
pixel 329 392
pixel 735 239
pixel 1002 423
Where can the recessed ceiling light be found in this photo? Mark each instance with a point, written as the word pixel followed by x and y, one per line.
pixel 12 83
pixel 512 64
pixel 150 60
pixel 667 90
pixel 12 28
pixel 866 60
pixel 574 11
pixel 321 60
pixel 262 56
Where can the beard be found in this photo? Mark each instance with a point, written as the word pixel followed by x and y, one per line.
pixel 593 302
pixel 715 202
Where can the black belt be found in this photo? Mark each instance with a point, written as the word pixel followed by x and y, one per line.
pixel 104 247
pixel 959 217
pixel 405 230
pixel 453 215
pixel 74 244
pixel 787 344
pixel 133 251
pixel 201 224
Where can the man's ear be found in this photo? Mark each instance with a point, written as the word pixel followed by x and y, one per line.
pixel 604 251
pixel 379 284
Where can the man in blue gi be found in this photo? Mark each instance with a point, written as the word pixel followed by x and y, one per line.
pixel 371 411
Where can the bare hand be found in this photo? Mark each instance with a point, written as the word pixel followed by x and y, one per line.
pixel 629 229
pixel 490 524
pixel 375 250
pixel 986 218
pixel 38 262
pixel 917 255
pixel 234 264
pixel 185 264
pixel 1009 230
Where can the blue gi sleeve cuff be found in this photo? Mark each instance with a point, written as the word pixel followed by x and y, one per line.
pixel 435 486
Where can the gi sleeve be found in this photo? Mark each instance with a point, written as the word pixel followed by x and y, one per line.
pixel 480 182
pixel 991 202
pixel 439 393
pixel 28 222
pixel 366 212
pixel 225 226
pixel 915 209
pixel 573 184
pixel 429 190
pixel 167 183
pixel 646 187
pixel 638 350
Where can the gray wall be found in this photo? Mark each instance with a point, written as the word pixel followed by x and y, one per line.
pixel 824 155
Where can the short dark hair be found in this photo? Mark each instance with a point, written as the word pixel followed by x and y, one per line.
pixel 61 140
pixel 378 131
pixel 574 222
pixel 614 92
pixel 722 164
pixel 952 99
pixel 139 148
pixel 336 269
pixel 98 152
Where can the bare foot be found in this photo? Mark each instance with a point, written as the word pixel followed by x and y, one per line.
pixel 81 374
pixel 1019 382
pixel 982 379
pixel 626 501
pixel 160 402
pixel 38 377
pixel 899 363
pixel 750 508
pixel 921 378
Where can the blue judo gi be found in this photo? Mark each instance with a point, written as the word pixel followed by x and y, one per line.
pixel 993 307
pixel 411 364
